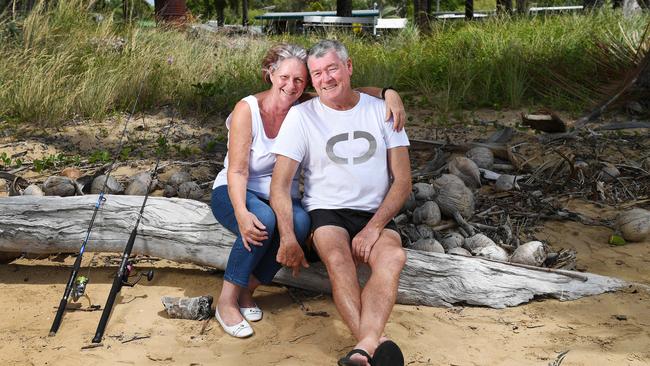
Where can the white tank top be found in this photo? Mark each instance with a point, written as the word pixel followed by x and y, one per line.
pixel 260 161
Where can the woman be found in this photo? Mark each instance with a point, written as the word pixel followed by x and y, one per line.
pixel 241 190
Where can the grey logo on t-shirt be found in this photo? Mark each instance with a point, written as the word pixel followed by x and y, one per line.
pixel 372 147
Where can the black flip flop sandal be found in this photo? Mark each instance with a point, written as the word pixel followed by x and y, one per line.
pixel 388 354
pixel 346 361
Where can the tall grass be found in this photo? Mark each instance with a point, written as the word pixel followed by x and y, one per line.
pixel 59 63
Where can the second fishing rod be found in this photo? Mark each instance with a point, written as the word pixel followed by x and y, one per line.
pixel 125 269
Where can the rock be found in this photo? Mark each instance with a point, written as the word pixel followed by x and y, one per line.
pixel 33 190
pixel 428 214
pixel 477 242
pixel 59 186
pixel 190 190
pixel 169 191
pixel 423 191
pixel 452 240
pixel 467 170
pixel 179 178
pixel 139 184
pixel 506 183
pixel 493 252
pixel 634 224
pixel 482 156
pixel 459 251
pixel 193 308
pixel 425 231
pixel 453 196
pixel 532 253
pixel 112 185
pixel 428 245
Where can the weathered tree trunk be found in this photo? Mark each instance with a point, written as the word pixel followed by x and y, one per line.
pixel 186 231
pixel 343 8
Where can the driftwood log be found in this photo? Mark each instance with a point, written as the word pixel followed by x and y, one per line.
pixel 186 231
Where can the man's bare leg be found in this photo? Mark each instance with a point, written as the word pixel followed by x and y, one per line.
pixel 333 246
pixel 387 259
pixel 365 313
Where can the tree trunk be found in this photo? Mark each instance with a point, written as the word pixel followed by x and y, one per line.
pixel 343 8
pixel 421 17
pixel 469 9
pixel 244 13
pixel 220 6
pixel 186 231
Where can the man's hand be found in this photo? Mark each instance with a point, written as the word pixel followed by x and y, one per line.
pixel 363 242
pixel 290 254
pixel 395 108
pixel 251 229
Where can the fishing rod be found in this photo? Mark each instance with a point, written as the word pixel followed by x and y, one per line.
pixel 76 285
pixel 126 266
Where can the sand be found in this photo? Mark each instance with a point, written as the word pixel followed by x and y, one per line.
pixel 609 329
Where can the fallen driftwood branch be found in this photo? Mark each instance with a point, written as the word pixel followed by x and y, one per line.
pixel 186 231
pixel 623 126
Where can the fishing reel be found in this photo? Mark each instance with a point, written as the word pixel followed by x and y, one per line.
pixel 79 288
pixel 129 270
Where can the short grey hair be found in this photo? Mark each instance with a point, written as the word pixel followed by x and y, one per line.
pixel 323 47
pixel 279 53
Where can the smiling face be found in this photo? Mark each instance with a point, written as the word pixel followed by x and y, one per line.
pixel 330 77
pixel 289 79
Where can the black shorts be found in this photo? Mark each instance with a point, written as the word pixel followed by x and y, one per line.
pixel 353 221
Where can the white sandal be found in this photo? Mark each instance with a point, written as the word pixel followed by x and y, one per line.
pixel 239 330
pixel 253 314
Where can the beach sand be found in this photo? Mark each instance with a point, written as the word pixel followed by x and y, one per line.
pixel 609 329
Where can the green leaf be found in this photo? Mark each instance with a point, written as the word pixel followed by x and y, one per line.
pixel 616 240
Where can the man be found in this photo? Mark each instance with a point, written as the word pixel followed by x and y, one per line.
pixel 357 177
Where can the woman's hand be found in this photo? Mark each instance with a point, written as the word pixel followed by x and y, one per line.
pixel 395 108
pixel 251 229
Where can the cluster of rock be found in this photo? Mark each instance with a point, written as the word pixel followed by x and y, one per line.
pixel 180 184
pixel 451 196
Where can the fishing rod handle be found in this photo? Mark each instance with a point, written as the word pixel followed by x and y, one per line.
pixel 118 281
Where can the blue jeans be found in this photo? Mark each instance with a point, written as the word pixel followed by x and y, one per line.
pixel 260 261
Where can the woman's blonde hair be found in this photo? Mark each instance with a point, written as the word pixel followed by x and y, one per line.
pixel 279 53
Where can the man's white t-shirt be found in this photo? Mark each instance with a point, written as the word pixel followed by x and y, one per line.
pixel 343 154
